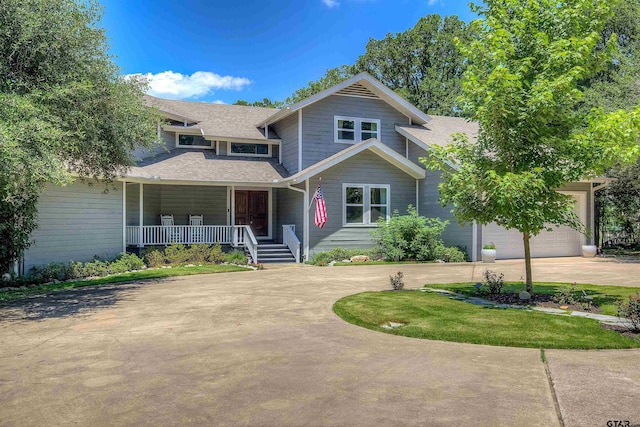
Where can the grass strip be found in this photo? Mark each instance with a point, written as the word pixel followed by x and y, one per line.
pixel 14 295
pixel 436 317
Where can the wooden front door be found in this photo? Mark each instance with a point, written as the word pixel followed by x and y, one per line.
pixel 252 208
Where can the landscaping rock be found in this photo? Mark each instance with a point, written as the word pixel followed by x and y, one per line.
pixel 346 260
pixel 524 296
pixel 360 258
pixel 6 277
pixel 332 263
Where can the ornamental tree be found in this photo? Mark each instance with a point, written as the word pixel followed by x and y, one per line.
pixel 526 61
pixel 65 110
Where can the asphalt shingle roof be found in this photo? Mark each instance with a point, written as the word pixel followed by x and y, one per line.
pixel 219 120
pixel 438 131
pixel 183 164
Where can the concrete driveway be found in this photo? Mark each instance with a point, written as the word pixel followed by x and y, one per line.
pixel 264 348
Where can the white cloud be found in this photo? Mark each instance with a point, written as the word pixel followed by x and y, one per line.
pixel 331 3
pixel 219 101
pixel 172 85
pixel 432 2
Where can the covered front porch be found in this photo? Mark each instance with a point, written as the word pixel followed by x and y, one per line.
pixel 238 216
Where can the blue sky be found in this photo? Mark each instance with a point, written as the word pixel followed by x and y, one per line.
pixel 221 51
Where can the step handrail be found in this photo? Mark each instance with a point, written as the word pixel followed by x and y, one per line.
pixel 290 239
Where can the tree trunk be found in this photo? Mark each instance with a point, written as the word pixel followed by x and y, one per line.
pixel 527 261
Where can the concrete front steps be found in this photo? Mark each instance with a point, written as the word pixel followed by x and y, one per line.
pixel 270 253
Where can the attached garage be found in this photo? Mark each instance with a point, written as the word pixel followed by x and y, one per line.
pixel 562 241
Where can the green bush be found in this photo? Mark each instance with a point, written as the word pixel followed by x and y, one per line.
pixel 76 270
pixel 414 237
pixel 340 254
pixel 492 283
pixel 236 257
pixel 154 257
pixel 176 254
pixel 198 253
pixel 49 272
pixel 216 255
pixel 126 262
pixel 566 295
pixel 95 268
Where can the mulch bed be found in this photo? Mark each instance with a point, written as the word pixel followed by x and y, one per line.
pixel 539 300
pixel 622 330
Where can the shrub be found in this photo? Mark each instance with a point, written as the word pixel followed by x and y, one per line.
pixel 216 255
pixel 198 253
pixel 566 295
pixel 489 246
pixel 236 257
pixel 154 257
pixel 631 310
pixel 95 268
pixel 413 237
pixel 126 262
pixel 492 283
pixel 49 272
pixel 176 254
pixel 450 254
pixel 397 281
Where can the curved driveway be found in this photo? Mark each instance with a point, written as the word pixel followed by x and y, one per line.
pixel 264 348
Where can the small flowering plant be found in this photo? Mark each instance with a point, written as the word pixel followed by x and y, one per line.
pixel 397 281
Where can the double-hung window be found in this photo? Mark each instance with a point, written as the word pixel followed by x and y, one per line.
pixel 349 130
pixel 364 204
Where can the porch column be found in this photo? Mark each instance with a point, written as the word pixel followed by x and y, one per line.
pixel 124 216
pixel 141 217
pixel 305 226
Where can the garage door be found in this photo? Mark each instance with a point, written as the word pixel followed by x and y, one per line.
pixel 562 241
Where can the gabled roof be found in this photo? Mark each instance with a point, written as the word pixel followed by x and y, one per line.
pixel 372 145
pixel 191 165
pixel 362 84
pixel 215 121
pixel 438 131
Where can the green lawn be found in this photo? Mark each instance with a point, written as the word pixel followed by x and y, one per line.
pixel 432 316
pixel 118 278
pixel 343 264
pixel 605 297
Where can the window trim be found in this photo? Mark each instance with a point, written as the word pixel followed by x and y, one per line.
pixel 357 131
pixel 196 147
pixel 229 153
pixel 366 206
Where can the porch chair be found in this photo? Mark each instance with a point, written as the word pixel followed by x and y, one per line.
pixel 196 232
pixel 171 233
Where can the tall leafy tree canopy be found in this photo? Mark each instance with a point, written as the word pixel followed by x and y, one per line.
pixel 421 64
pixel 526 62
pixel 64 109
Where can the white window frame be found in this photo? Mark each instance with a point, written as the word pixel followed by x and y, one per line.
pixel 229 153
pixel 366 209
pixel 357 125
pixel 197 147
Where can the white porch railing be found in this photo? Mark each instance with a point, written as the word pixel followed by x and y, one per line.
pixel 236 235
pixel 290 239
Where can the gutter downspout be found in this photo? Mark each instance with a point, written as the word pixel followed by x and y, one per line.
pixel 305 222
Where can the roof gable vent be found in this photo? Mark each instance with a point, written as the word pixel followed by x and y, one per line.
pixel 359 90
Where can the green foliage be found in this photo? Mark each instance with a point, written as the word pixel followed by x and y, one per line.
pixel 489 246
pixel 339 254
pixel 631 310
pixel 566 295
pixel 526 61
pixel 266 103
pixel 413 237
pixel 60 271
pixel 216 255
pixel 236 257
pixel 154 257
pixel 126 262
pixel 421 64
pixel 63 107
pixel 449 254
pixel 177 254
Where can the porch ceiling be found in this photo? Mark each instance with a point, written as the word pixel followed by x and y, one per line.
pixel 205 166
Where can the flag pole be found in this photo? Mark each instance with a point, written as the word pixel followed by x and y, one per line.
pixel 313 199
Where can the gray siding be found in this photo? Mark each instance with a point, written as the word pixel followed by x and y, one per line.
pixel 76 222
pixel 364 168
pixel 318 125
pixel 288 210
pixel 429 206
pixel 223 148
pixel 287 129
pixel 168 143
pixel 179 201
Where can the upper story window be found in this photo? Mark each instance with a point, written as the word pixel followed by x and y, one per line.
pixel 256 150
pixel 349 130
pixel 193 141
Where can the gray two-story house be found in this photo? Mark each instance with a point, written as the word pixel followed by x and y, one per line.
pixel 246 177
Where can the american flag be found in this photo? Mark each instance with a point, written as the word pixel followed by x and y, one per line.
pixel 321 208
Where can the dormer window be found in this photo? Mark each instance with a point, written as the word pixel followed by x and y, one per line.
pixel 349 130
pixel 193 141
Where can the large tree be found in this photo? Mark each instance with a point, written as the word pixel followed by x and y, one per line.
pixel 65 110
pixel 526 61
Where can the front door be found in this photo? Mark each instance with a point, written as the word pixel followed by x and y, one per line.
pixel 252 208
